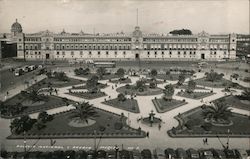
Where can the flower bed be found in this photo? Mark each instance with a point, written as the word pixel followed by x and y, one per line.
pixel 192 124
pixel 87 95
pixel 163 105
pixel 195 95
pixel 107 125
pixel 146 92
pixel 130 105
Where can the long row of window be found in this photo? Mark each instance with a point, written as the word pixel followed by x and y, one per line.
pixel 169 40
pixel 91 47
pixel 93 39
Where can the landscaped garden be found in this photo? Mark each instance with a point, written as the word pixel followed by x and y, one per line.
pixel 240 101
pixel 212 120
pixel 84 121
pixel 101 73
pixel 213 79
pixel 140 89
pixel 173 74
pixel 28 102
pixel 167 103
pixel 93 89
pixel 55 79
pixel 190 93
pixel 123 103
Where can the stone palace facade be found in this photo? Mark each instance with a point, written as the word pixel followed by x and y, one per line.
pixel 135 46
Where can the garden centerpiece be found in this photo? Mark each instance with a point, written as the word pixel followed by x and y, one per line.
pixel 166 102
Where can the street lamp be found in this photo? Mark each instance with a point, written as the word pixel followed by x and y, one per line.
pixel 116 151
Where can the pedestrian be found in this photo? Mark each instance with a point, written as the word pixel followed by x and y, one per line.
pixel 206 141
pixel 7 93
pixel 147 134
pixel 56 91
pixel 159 126
pixel 109 97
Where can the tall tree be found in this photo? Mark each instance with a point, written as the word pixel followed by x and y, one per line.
pixel 191 86
pixel 121 97
pixel 120 72
pixel 181 79
pixel 168 92
pixel 101 72
pixel 23 124
pixel 84 111
pixel 153 73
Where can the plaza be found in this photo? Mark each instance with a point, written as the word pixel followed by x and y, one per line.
pixel 157 137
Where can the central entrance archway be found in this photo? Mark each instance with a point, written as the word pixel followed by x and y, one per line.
pixel 137 56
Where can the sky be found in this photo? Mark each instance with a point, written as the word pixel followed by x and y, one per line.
pixel 111 16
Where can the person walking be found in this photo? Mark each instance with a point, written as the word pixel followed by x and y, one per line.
pixel 147 134
pixel 159 126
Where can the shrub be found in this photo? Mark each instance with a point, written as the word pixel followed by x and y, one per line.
pixel 102 128
pixel 118 126
pixel 207 126
pixel 127 86
pixel 191 123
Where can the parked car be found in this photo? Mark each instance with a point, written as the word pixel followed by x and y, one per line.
pixel 248 154
pixel 159 153
pixel 124 154
pixel 193 154
pixel 111 154
pixel 146 154
pixel 170 153
pixel 206 154
pixel 69 154
pixel 243 154
pixel 219 154
pixel 101 154
pixel 81 154
pixel 135 154
pixel 232 153
pixel 181 153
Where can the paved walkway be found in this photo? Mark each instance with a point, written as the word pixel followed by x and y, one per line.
pixel 157 138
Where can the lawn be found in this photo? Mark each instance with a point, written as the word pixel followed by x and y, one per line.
pixel 99 86
pixel 217 84
pixel 107 125
pixel 130 105
pixel 130 90
pixel 185 86
pixel 123 81
pixel 163 105
pixel 195 95
pixel 50 102
pixel 170 77
pixel 104 77
pixel 87 95
pixel 236 102
pixel 239 127
pixel 55 83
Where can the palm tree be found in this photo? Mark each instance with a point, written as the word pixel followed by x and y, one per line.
pixel 84 111
pixel 246 94
pixel 217 112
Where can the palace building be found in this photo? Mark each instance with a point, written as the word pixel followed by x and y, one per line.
pixel 120 46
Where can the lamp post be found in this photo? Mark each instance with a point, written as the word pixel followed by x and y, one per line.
pixel 24 141
pixel 116 151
